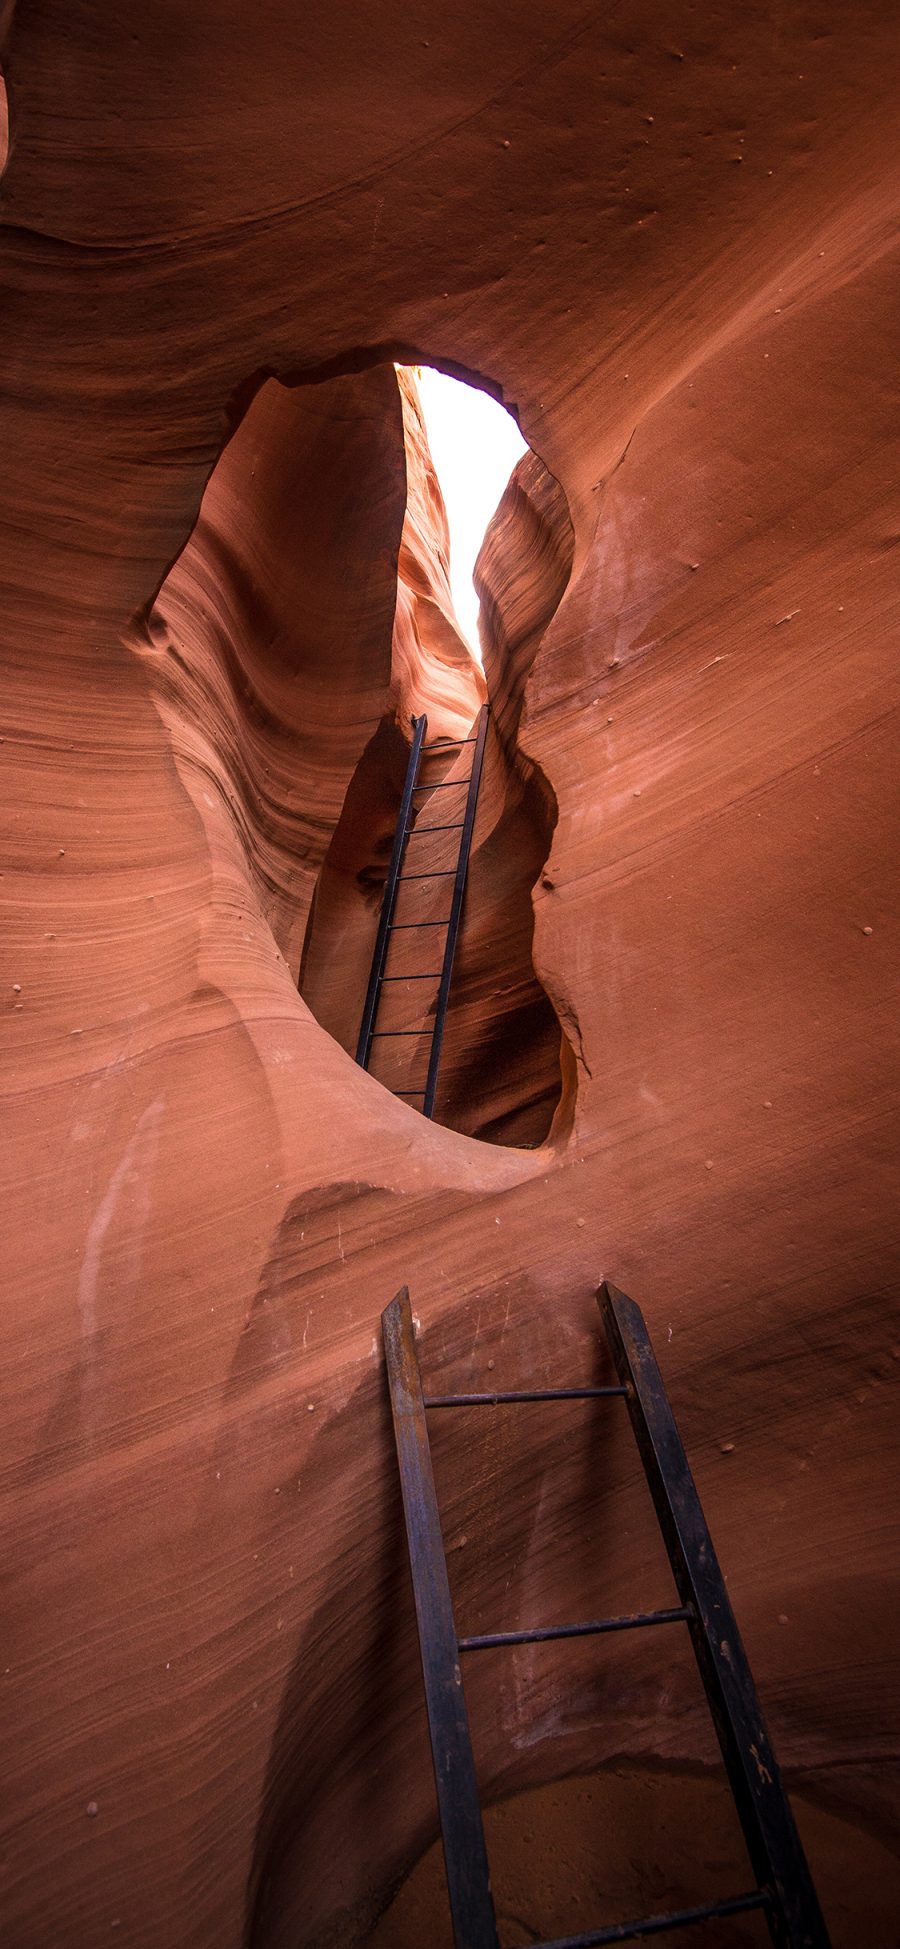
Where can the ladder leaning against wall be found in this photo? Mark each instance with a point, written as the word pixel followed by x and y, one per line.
pixel 782 1890
pixel 408 828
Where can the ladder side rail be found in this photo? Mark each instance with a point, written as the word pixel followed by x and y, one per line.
pixel 456 906
pixel 776 1852
pixel 462 1832
pixel 682 1918
pixel 389 900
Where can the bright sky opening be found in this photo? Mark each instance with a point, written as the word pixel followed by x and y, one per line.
pixel 474 445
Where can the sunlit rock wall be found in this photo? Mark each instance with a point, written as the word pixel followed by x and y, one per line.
pixel 668 242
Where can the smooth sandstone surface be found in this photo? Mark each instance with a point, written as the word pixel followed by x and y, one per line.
pixel 666 239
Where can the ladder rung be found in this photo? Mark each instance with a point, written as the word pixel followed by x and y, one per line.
pixel 448 744
pixel 489 1641
pixel 444 785
pixel 526 1394
pixel 407 924
pixel 448 873
pixel 413 977
pixel 412 832
pixel 679 1918
pixel 381 1033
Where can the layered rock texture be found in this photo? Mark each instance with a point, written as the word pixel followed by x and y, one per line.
pixel 666 239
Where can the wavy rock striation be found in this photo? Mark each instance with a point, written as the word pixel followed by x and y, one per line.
pixel 270 640
pixel 666 239
pixel 521 577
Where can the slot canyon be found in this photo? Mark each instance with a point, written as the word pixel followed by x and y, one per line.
pixel 664 238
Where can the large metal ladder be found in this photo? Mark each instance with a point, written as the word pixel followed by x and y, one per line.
pixel 408 828
pixel 783 1888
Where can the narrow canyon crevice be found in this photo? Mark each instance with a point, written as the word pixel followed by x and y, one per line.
pixel 501 1077
pixel 289 699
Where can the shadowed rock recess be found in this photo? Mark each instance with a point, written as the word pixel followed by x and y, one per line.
pixel 665 238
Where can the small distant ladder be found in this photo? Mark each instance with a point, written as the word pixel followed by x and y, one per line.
pixel 784 1890
pixel 407 828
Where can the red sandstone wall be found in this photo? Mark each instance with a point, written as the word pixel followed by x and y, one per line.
pixel 668 240
pixel 268 647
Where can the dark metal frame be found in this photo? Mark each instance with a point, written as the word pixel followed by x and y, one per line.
pixel 456 907
pixel 770 1832
pixel 468 1876
pixel 784 1891
pixel 389 901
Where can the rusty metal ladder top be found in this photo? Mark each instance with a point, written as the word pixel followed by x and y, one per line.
pixel 784 1890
